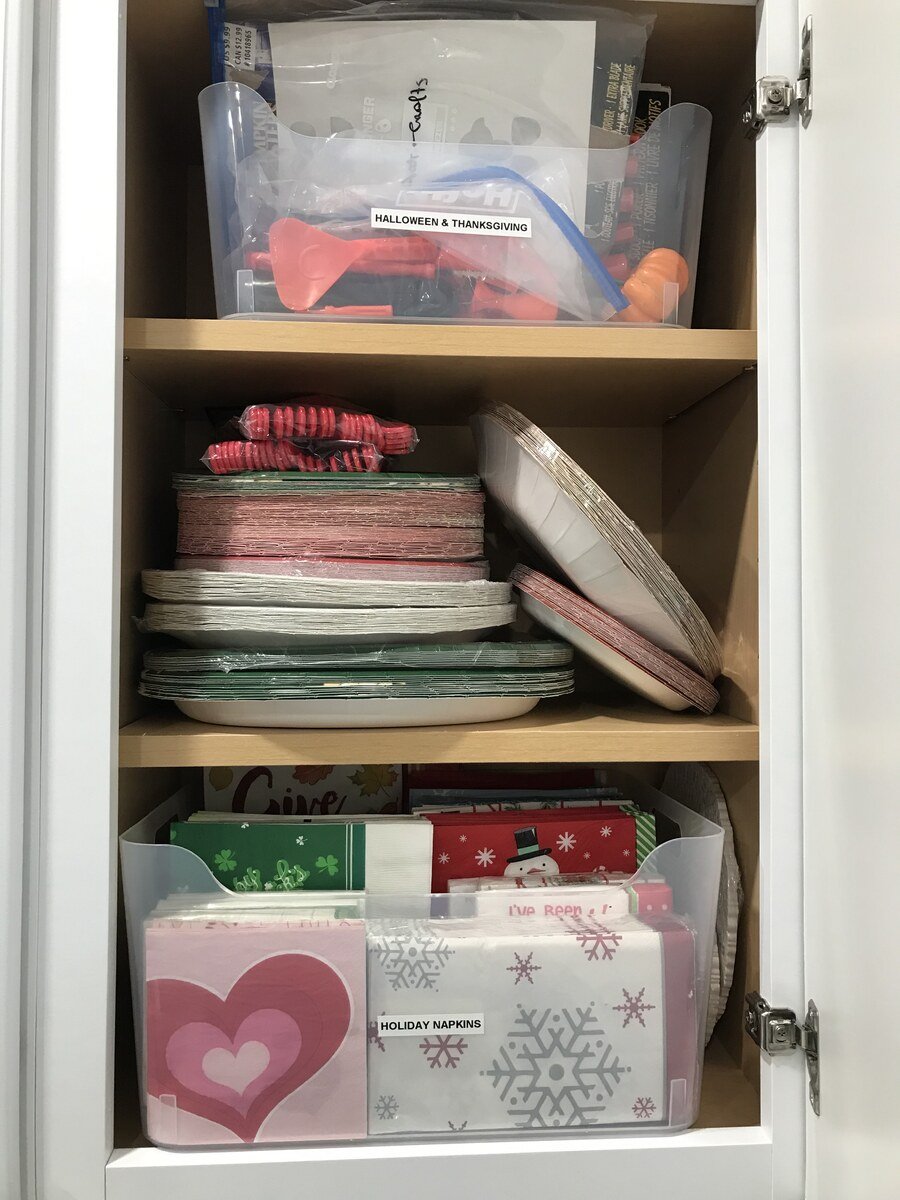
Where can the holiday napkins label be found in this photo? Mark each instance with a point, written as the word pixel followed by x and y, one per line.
pixel 471 1024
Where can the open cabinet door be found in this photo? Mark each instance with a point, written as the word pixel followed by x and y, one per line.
pixel 16 603
pixel 850 420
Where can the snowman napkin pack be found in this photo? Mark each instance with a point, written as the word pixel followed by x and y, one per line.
pixel 608 837
pixel 487 1024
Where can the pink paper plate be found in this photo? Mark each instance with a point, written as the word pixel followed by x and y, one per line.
pixel 612 646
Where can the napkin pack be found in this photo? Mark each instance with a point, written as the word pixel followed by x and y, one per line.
pixel 484 1024
pixel 248 853
pixel 611 837
pixel 254 1029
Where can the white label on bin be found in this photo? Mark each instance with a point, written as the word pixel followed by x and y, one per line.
pixel 416 1026
pixel 451 222
pixel 240 46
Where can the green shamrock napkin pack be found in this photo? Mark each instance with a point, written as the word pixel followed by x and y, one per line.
pixel 390 855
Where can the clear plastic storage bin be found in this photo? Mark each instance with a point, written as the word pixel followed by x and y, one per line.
pixel 302 1017
pixel 359 227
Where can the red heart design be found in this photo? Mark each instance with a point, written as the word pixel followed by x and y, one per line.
pixel 291 1011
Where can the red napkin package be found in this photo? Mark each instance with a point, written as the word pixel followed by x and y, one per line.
pixel 547 842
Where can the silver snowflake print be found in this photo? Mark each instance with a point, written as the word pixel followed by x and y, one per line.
pixel 555 1069
pixel 643 1108
pixel 457 1128
pixel 523 968
pixel 386 1108
pixel 463 838
pixel 596 940
pixel 413 957
pixel 587 854
pixel 443 858
pixel 566 842
pixel 626 853
pixel 606 831
pixel 443 1050
pixel 633 1007
pixel 485 857
pixel 373 1037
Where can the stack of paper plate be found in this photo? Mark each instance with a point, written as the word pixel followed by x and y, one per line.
pixel 341 568
pixel 612 646
pixel 250 626
pixel 399 516
pixel 473 656
pixel 282 691
pixel 231 588
pixel 570 519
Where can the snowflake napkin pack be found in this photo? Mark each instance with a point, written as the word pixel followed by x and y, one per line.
pixel 484 1024
pixel 254 1028
pixel 608 837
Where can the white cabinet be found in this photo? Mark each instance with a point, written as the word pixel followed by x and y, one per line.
pixel 118 225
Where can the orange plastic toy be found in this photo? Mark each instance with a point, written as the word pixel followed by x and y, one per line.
pixel 650 287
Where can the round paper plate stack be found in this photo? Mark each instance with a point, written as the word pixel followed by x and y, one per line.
pixel 346 687
pixel 294 515
pixel 569 519
pixel 612 646
pixel 211 608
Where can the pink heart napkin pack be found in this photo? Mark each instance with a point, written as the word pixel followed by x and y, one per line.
pixel 255 1029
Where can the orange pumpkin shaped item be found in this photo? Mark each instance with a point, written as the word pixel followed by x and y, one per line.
pixel 650 287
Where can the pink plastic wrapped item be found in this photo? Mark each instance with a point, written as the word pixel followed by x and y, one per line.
pixel 325 420
pixel 291 454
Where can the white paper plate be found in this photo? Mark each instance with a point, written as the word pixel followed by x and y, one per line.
pixel 257 628
pixel 357 714
pixel 609 660
pixel 265 590
pixel 585 534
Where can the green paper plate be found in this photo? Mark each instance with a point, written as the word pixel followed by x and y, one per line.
pixel 478 656
pixel 359 685
pixel 275 483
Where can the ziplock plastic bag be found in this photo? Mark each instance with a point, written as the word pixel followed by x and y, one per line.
pixel 560 74
pixel 498 221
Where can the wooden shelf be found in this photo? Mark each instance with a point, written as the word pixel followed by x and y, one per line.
pixel 438 374
pixel 562 732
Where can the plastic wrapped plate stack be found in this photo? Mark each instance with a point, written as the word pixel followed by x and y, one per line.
pixel 626 610
pixel 355 686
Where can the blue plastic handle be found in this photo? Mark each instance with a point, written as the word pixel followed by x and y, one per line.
pixel 560 219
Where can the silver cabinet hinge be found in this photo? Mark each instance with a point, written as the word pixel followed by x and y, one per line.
pixel 774 96
pixel 776 1032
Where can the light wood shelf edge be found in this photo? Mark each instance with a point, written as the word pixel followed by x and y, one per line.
pixel 558 734
pixel 385 340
